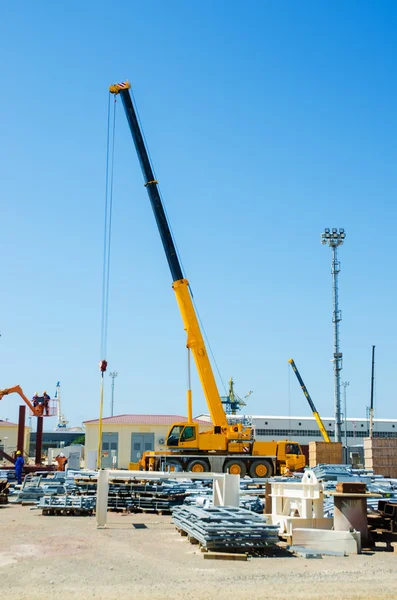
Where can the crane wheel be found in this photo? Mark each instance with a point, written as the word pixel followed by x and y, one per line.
pixel 235 467
pixel 261 468
pixel 198 466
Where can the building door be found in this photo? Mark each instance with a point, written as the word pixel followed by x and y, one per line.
pixel 110 449
pixel 140 443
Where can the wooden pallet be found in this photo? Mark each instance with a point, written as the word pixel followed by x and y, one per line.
pixel 155 511
pixel 66 512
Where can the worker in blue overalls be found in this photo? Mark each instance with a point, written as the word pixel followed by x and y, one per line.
pixel 19 466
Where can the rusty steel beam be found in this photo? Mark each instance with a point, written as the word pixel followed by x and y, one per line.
pixel 21 428
pixel 7 457
pixel 39 440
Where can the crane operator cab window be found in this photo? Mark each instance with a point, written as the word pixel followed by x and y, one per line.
pixel 180 433
pixel 292 449
pixel 188 434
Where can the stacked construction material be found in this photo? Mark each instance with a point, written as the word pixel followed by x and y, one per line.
pixel 341 473
pixel 225 528
pixel 383 523
pixel 380 454
pixel 205 500
pixel 85 483
pixel 8 474
pixel 4 491
pixel 40 484
pixel 161 496
pixel 67 505
pixel 325 453
pixel 137 494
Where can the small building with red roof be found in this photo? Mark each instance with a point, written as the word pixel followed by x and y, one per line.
pixel 126 437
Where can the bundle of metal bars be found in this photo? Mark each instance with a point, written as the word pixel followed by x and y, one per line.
pixel 8 474
pixel 225 528
pixel 157 496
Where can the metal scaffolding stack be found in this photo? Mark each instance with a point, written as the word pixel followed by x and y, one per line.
pixel 67 505
pixel 225 528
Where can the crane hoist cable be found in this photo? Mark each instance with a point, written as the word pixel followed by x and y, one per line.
pixel 107 239
pixel 173 238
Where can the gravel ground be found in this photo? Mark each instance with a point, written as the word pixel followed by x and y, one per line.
pixel 68 558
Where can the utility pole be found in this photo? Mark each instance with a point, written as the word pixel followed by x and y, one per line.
pixel 335 238
pixel 371 408
pixel 345 385
pixel 113 375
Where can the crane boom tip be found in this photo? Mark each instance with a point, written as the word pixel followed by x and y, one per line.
pixel 116 88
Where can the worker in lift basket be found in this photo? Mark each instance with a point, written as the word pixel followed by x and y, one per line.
pixel 35 399
pixel 19 466
pixel 46 403
pixel 62 461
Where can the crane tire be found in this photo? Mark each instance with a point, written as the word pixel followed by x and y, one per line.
pixel 235 467
pixel 261 468
pixel 197 465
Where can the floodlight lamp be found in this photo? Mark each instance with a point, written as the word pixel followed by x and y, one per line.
pixel 334 235
pixel 341 231
pixel 334 230
pixel 323 241
pixel 342 235
pixel 327 235
pixel 326 230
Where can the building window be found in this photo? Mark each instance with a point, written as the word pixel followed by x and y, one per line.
pixel 315 433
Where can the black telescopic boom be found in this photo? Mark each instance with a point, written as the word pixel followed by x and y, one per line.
pixel 151 186
pixel 304 389
pixel 372 378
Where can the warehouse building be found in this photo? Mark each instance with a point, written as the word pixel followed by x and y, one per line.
pixel 305 429
pixel 57 439
pixel 9 437
pixel 126 437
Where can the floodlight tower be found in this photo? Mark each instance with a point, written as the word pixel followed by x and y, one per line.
pixel 335 238
pixel 113 375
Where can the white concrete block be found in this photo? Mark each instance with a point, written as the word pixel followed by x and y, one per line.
pixel 322 539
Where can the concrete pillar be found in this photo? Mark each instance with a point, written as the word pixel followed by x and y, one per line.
pixel 102 498
pixel 231 495
pixel 226 490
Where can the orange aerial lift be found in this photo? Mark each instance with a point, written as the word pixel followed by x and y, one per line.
pixel 40 407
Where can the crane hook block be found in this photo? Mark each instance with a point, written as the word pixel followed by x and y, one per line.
pixel 103 365
pixel 117 87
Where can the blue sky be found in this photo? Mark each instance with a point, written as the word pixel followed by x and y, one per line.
pixel 266 122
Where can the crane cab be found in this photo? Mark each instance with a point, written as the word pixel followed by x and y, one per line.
pixel 183 435
pixel 187 436
pixel 290 454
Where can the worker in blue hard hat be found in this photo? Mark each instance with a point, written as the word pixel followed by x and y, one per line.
pixel 19 463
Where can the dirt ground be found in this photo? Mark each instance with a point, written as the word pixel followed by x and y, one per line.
pixel 44 557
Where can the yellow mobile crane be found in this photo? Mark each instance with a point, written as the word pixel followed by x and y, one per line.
pixel 225 447
pixel 319 422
